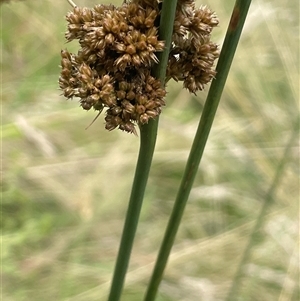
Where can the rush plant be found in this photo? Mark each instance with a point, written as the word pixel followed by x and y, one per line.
pixel 126 57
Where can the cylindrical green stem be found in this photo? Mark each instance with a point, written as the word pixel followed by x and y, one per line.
pixel 148 133
pixel 228 50
pixel 147 140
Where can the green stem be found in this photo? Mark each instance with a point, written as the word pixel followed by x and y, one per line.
pixel 268 200
pixel 147 140
pixel 228 50
pixel 148 133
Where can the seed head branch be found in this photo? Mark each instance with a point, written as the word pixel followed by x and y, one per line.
pixel 72 3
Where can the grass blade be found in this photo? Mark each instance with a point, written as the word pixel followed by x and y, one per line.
pixel 268 201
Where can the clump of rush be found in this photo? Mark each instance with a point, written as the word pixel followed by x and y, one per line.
pixel 118 46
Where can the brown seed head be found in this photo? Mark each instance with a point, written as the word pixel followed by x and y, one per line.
pixel 118 47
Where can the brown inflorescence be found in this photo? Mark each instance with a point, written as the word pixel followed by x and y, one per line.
pixel 118 46
pixel 192 54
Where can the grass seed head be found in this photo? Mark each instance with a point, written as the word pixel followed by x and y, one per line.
pixel 118 47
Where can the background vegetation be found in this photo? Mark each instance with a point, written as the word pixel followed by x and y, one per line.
pixel 65 189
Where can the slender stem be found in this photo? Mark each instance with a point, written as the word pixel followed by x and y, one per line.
pixel 147 140
pixel 148 133
pixel 228 50
pixel 268 200
pixel 165 33
pixel 72 3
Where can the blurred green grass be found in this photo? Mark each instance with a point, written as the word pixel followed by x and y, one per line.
pixel 65 189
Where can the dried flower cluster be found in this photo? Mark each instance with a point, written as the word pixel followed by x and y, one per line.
pixel 118 47
pixel 193 54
